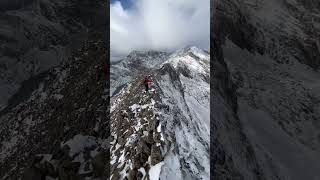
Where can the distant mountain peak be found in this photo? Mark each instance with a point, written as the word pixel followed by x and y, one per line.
pixel 143 53
pixel 192 58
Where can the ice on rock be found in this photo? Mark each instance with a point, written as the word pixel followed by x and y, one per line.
pixel 154 172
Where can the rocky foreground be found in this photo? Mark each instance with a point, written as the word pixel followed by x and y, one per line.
pixel 136 134
pixel 61 130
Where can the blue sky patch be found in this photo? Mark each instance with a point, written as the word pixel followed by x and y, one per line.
pixel 126 4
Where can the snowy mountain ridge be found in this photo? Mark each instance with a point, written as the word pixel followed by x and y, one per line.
pixel 137 62
pixel 194 59
pixel 194 50
pixel 169 125
pixel 143 62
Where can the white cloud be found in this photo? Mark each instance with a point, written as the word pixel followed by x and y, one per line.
pixel 159 25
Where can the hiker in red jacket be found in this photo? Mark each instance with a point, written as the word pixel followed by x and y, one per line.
pixel 147 81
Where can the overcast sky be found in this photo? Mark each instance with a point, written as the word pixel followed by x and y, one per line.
pixel 164 25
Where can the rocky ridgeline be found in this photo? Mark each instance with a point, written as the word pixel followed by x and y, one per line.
pixel 61 130
pixel 136 141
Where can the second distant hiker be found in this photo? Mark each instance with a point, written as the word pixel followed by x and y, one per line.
pixel 146 82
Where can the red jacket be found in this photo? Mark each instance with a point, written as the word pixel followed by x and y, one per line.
pixel 147 81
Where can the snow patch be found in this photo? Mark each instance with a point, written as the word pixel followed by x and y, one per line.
pixel 79 143
pixel 155 170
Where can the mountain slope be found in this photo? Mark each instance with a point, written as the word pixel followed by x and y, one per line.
pixel 61 130
pixel 266 93
pixel 183 82
pixel 169 127
pixel 36 35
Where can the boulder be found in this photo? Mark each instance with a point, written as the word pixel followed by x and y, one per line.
pixel 155 155
pixel 32 173
pixel 98 164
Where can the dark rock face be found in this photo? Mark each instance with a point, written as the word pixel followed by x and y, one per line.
pixel 36 35
pixel 265 98
pixel 55 131
pixel 14 5
pixel 271 33
pixel 231 154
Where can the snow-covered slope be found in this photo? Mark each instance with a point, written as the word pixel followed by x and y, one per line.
pixel 168 129
pixel 184 88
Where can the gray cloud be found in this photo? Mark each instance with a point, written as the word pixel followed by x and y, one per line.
pixel 163 25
